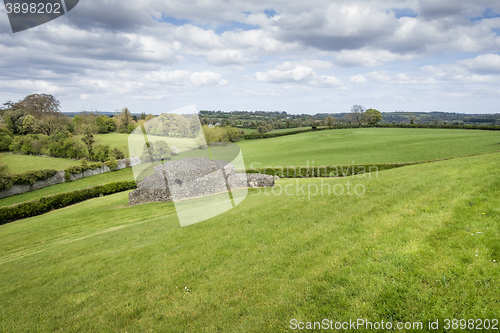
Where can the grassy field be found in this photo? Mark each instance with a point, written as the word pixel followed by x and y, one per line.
pixel 368 145
pixel 109 177
pixel 423 242
pixel 114 140
pixel 22 163
pixel 365 145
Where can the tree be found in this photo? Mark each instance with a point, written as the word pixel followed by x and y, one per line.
pixel 88 139
pixel 40 104
pixel 123 120
pixel 372 117
pixel 357 112
pixel 50 124
pixel 330 121
pixel 28 123
pixel 156 151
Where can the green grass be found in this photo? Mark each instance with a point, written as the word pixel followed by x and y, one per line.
pixel 358 146
pixel 367 145
pixel 418 245
pixel 248 130
pixel 109 177
pixel 283 130
pixel 114 140
pixel 121 141
pixel 22 163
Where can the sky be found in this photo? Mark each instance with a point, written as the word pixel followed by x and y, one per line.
pixel 311 56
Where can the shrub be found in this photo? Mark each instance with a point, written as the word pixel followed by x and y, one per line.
pixel 46 204
pixel 27 178
pixel 6 182
pixel 101 153
pixel 5 141
pixel 117 154
pixel 31 177
pixel 112 164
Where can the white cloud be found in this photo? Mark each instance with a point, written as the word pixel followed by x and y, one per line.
pixel 485 63
pixel 369 57
pixel 293 73
pixel 164 49
pixel 358 79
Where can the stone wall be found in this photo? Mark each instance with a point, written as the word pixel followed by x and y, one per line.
pixel 18 189
pixel 59 177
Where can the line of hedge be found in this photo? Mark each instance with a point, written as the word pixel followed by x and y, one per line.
pixel 252 136
pixel 75 169
pixel 46 204
pixel 26 178
pixel 327 171
pixel 447 126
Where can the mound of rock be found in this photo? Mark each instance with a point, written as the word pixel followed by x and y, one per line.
pixel 191 178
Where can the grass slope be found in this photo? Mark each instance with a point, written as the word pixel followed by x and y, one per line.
pixel 420 244
pixel 364 145
pixel 22 163
pixel 368 145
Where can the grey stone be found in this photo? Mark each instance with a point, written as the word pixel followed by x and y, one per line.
pixel 192 178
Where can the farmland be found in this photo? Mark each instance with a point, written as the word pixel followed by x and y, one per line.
pixel 419 243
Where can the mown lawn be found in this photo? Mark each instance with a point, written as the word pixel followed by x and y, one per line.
pixel 18 163
pixel 422 243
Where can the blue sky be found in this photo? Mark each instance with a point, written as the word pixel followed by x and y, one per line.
pixel 301 57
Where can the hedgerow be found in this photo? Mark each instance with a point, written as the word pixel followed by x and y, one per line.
pixel 46 204
pixel 26 178
pixel 327 171
pixel 444 126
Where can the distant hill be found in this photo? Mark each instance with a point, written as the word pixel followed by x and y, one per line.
pixel 105 113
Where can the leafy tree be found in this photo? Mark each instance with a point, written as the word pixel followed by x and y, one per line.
pixel 40 104
pixel 330 121
pixel 372 117
pixel 88 139
pixel 156 151
pixel 50 124
pixel 194 126
pixel 5 141
pixel 12 119
pixel 27 124
pixel 123 120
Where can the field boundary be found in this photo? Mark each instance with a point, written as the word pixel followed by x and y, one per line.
pixel 46 204
pixel 253 136
pixel 67 175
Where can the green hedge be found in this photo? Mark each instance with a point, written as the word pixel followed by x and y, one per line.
pixel 46 204
pixel 75 169
pixel 447 126
pixel 26 178
pixel 327 171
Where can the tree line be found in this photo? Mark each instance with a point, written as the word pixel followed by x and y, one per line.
pixel 35 125
pixel 265 122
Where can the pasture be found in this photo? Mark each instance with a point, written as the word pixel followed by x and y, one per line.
pixel 357 146
pixel 18 163
pixel 422 243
